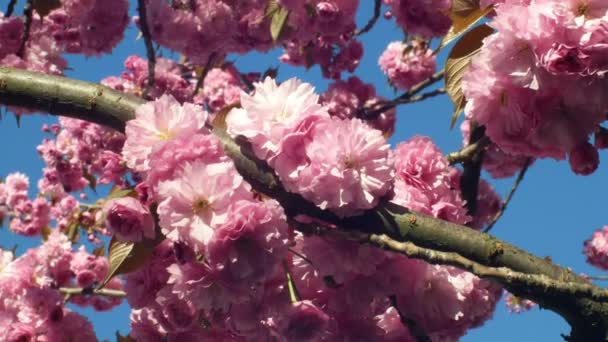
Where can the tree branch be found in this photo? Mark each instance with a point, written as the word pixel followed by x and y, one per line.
pixel 469 182
pixel 370 24
pixel 201 78
pixel 76 291
pixel 468 152
pixel 28 12
pixel 99 104
pixel 145 31
pixel 507 200
pixel 412 326
pixel 374 111
pixel 10 8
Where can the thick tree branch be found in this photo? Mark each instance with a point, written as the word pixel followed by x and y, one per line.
pixel 99 104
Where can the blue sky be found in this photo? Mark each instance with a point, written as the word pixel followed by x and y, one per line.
pixel 552 213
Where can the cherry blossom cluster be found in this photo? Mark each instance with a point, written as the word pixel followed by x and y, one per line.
pixel 90 27
pixel 232 268
pixel 516 304
pixel 407 64
pixel 345 99
pixel 537 83
pixel 32 305
pixel 339 164
pixel 596 249
pixel 424 18
pixel 168 79
pixel 312 31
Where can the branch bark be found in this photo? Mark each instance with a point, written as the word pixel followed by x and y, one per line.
pixel 101 105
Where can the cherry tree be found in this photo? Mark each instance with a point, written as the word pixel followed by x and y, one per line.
pixel 241 208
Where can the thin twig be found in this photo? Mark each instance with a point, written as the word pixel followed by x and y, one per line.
pixel 471 171
pixel 10 8
pixel 145 31
pixel 467 152
pixel 201 78
pixel 375 111
pixel 299 255
pixel 413 327
pixel 422 97
pixel 370 24
pixel 597 277
pixel 76 291
pixel 518 180
pixel 27 25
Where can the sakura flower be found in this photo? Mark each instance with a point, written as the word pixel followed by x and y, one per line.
pixel 155 123
pixel 197 201
pixel 596 249
pixel 347 166
pixel 406 65
pixel 248 248
pixel 270 111
pixel 304 322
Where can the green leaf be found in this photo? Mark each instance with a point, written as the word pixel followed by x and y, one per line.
pixel 219 122
pixel 464 7
pixel 277 22
pixel 458 62
pixel 271 7
pixel 463 18
pixel 46 231
pixel 120 193
pixel 73 230
pixel 120 255
pixel 99 251
pixel 91 179
pixel 125 257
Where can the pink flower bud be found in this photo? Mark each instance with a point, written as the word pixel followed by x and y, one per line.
pixel 584 159
pixel 128 219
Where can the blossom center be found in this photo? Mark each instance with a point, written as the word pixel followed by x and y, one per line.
pixel 504 99
pixel 283 115
pixel 164 136
pixel 582 9
pixel 200 205
pixel 349 162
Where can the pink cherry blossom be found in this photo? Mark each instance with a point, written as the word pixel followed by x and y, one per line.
pixel 155 123
pixel 344 165
pixel 407 64
pixel 427 18
pixel 197 201
pixel 270 111
pixel 596 249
